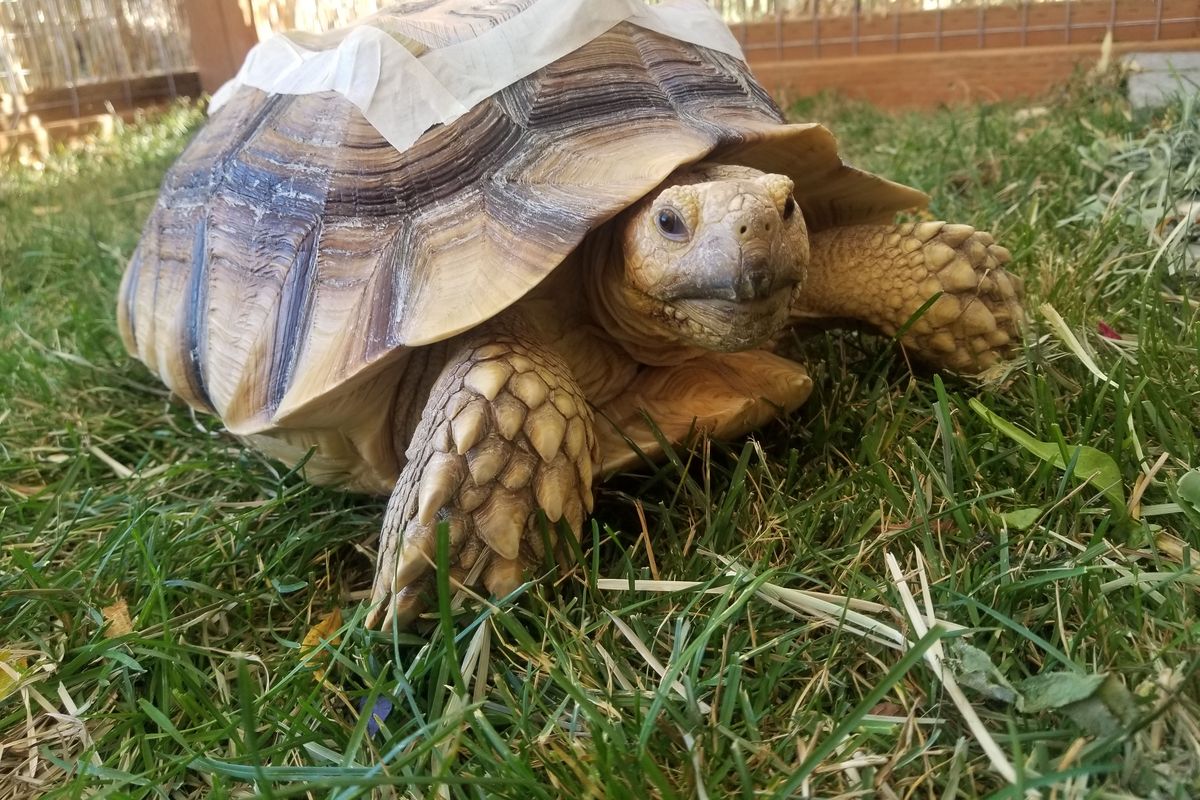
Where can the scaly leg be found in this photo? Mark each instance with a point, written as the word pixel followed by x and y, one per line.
pixel 883 274
pixel 506 432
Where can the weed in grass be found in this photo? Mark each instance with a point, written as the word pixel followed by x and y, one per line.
pixel 610 680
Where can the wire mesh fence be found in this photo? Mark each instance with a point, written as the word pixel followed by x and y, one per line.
pixel 816 28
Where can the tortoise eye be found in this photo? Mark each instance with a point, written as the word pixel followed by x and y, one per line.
pixel 670 225
pixel 789 208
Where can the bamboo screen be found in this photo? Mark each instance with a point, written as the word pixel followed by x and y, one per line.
pixel 309 15
pixel 49 44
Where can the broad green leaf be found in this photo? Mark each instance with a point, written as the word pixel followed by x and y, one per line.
pixel 1187 492
pixel 10 672
pixel 1189 488
pixel 1021 518
pixel 287 587
pixel 1098 703
pixel 1091 465
pixel 1052 690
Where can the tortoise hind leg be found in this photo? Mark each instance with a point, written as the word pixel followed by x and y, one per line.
pixel 506 432
pixel 883 274
pixel 721 394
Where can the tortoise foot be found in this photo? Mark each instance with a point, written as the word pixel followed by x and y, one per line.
pixel 505 438
pixel 944 286
pixel 976 319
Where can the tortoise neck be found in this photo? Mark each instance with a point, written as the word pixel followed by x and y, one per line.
pixel 621 311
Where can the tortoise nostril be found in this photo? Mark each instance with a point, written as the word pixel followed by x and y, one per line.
pixel 742 230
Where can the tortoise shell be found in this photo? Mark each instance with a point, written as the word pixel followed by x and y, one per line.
pixel 294 255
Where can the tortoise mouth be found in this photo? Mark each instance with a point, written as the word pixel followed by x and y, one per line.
pixel 734 308
pixel 763 289
pixel 727 325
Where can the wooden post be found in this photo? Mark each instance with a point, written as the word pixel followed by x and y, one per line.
pixel 222 33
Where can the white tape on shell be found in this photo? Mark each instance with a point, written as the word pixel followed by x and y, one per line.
pixel 403 95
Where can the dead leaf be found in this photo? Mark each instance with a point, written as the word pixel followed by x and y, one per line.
pixel 324 630
pixel 23 491
pixel 975 670
pixel 1173 548
pixel 116 618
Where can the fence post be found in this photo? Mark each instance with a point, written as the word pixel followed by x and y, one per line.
pixel 854 29
pixel 222 33
pixel 745 24
pixel 779 29
pixel 816 28
pixel 939 25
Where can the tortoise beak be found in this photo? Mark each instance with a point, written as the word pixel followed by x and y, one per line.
pixel 755 278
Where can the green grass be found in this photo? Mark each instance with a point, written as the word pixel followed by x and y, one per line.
pixel 110 491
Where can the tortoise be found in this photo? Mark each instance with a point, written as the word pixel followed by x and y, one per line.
pixel 486 323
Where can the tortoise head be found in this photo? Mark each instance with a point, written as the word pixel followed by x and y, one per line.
pixel 711 259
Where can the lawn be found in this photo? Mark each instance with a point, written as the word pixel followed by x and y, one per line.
pixel 167 599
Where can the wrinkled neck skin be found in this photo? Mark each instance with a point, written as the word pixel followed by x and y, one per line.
pixel 621 312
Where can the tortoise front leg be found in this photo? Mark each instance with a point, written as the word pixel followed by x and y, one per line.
pixel 720 394
pixel 506 433
pixel 883 274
